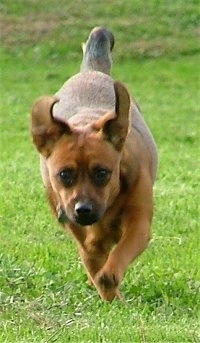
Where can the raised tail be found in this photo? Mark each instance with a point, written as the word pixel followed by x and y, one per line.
pixel 97 51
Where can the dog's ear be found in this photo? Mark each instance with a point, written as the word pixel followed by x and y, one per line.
pixel 116 129
pixel 44 128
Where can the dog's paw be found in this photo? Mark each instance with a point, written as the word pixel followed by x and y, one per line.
pixel 108 281
pixel 107 286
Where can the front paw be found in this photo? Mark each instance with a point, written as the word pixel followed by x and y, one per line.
pixel 107 286
pixel 107 281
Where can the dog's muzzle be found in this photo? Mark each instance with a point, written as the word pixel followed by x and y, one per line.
pixel 85 213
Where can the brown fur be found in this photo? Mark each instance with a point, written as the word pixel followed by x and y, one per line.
pixel 93 131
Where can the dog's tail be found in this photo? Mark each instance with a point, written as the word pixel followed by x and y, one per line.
pixel 97 51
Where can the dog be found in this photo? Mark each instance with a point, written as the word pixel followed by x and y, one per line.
pixel 98 162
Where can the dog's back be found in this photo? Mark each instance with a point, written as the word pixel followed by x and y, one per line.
pixel 92 88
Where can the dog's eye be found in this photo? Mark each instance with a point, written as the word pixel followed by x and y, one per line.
pixel 67 177
pixel 101 176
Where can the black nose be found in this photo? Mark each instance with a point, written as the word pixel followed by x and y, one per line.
pixel 85 213
pixel 82 208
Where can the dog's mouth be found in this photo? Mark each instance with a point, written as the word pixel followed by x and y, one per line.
pixel 84 220
pixel 83 214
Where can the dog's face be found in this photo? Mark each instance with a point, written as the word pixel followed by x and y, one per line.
pixel 84 173
pixel 83 163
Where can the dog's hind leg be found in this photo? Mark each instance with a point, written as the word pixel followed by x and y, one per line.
pixel 97 51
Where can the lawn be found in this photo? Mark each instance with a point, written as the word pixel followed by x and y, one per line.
pixel 43 291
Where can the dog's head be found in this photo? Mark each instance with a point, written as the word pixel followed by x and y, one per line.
pixel 83 163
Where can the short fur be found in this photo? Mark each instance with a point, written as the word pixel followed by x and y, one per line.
pixel 98 164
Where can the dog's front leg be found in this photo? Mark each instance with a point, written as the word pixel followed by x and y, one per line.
pixel 136 224
pixel 92 261
pixel 93 248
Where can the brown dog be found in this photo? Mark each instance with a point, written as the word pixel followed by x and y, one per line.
pixel 98 163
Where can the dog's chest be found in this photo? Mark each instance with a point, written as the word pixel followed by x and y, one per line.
pixel 101 239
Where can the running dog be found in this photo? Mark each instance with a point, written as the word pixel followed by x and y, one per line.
pixel 98 163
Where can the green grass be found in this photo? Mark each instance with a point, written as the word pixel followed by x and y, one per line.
pixel 43 293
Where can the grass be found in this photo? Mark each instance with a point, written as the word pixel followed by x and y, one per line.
pixel 43 295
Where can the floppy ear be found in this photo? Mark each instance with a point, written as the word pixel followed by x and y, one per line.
pixel 116 129
pixel 44 128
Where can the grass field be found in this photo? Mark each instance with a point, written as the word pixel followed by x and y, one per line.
pixel 43 293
